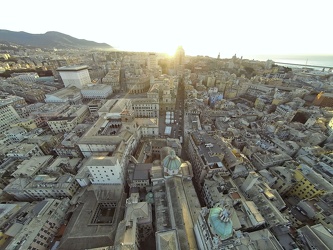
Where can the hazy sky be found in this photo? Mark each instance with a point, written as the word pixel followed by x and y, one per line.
pixel 242 27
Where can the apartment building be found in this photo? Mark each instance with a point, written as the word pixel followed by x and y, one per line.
pixel 26 77
pixel 45 142
pixel 285 111
pixel 7 99
pixel 16 134
pixel 22 150
pixel 68 146
pixel 284 179
pixel 43 112
pixel 26 123
pixel 42 187
pixel 8 115
pixel 216 187
pixel 312 211
pixel 29 91
pixel 69 119
pixel 309 184
pixel 263 160
pixel 40 225
pixel 206 155
pixel 31 167
pixel 4 140
pixel 315 235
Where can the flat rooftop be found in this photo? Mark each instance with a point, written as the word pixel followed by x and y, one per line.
pixel 72 68
pixel 97 87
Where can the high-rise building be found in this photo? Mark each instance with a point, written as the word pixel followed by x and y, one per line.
pixel 77 76
pixel 179 59
pixel 152 61
pixel 250 180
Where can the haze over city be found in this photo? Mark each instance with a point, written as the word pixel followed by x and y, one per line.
pixel 150 125
pixel 203 28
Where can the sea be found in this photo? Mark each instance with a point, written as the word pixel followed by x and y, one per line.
pixel 309 60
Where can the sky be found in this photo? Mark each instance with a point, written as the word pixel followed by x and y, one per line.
pixel 241 27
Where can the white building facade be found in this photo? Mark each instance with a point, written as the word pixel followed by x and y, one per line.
pixel 77 76
pixel 96 91
pixel 105 170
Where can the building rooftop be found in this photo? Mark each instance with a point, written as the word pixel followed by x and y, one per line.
pixel 32 166
pixel 96 87
pixel 315 178
pixel 219 219
pixel 69 163
pixel 80 233
pixel 316 237
pixel 167 239
pixel 262 240
pixel 65 93
pixel 147 122
pixel 114 106
pixel 171 161
pixel 17 148
pixel 72 68
pixel 101 161
pixel 210 150
pixel 180 208
pixel 141 171
pixel 93 136
pixel 283 235
pixel 40 213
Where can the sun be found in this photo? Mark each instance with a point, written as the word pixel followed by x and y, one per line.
pixel 168 45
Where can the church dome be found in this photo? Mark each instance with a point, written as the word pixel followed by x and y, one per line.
pixel 172 161
pixel 150 197
pixel 219 219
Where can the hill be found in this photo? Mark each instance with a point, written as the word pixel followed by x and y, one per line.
pixel 49 40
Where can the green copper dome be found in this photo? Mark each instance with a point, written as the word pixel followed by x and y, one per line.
pixel 219 218
pixel 150 197
pixel 172 161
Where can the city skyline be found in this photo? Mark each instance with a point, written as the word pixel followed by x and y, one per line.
pixel 244 28
pixel 136 150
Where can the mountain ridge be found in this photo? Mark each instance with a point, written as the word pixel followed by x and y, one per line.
pixel 49 40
